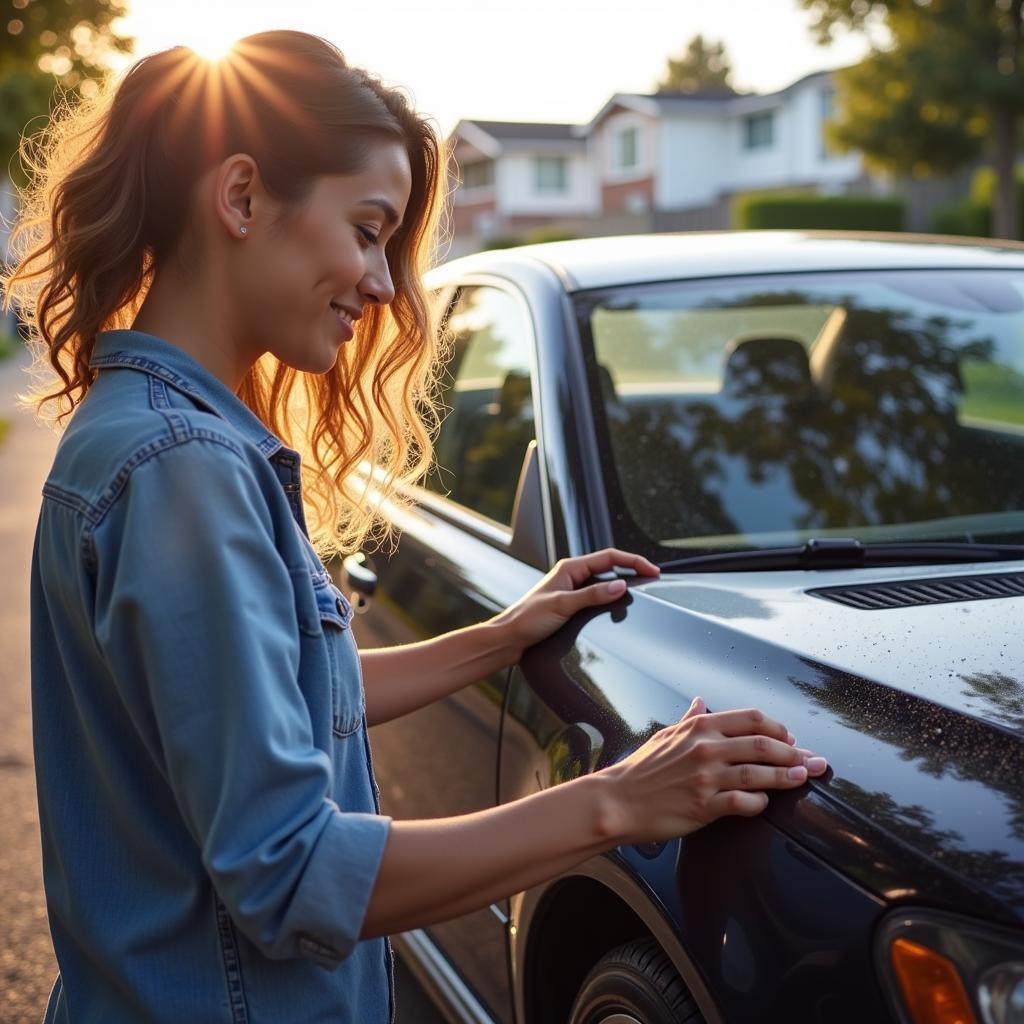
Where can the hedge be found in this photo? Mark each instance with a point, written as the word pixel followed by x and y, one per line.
pixel 552 234
pixel 963 217
pixel 503 242
pixel 807 210
pixel 972 215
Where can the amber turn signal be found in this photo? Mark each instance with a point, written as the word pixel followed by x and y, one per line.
pixel 931 985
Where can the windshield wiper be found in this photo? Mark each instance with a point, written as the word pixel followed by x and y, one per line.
pixel 845 553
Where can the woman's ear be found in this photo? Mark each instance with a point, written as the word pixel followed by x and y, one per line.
pixel 236 189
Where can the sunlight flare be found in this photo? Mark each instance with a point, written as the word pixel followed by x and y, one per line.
pixel 215 43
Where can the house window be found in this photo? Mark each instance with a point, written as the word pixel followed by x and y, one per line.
pixel 627 148
pixel 759 130
pixel 550 174
pixel 478 174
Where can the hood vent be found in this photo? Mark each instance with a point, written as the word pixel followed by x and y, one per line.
pixel 908 594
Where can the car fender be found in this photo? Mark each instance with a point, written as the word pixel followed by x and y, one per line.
pixel 530 910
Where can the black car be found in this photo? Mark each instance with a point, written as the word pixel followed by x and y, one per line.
pixel 821 440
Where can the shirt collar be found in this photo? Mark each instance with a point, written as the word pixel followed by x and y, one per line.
pixel 140 351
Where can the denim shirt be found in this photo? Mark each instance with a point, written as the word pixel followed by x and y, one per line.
pixel 210 826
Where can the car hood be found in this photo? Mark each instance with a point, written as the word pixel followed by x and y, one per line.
pixel 919 710
pixel 964 655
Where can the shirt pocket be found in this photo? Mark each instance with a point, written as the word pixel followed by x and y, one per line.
pixel 347 699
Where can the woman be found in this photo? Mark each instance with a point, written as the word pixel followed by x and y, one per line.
pixel 197 246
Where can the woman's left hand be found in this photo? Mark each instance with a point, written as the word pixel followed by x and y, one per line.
pixel 561 594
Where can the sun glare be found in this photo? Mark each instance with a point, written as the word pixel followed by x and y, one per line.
pixel 212 45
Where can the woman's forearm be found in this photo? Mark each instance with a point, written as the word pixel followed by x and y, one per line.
pixel 401 679
pixel 685 776
pixel 440 869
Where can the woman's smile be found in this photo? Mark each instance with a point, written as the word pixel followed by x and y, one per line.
pixel 344 320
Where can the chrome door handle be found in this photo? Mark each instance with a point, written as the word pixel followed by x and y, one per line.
pixel 358 575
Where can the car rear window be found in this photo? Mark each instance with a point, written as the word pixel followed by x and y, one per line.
pixel 763 411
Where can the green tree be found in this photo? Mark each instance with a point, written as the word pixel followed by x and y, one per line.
pixel 946 87
pixel 49 44
pixel 704 65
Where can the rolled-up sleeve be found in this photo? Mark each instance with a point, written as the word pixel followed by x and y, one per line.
pixel 195 615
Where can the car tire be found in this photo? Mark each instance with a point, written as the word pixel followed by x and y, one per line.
pixel 634 984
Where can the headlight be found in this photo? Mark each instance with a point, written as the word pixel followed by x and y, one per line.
pixel 1001 994
pixel 939 968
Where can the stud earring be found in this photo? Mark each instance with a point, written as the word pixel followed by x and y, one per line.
pixel 243 229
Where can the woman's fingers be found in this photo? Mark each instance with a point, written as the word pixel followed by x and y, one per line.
pixel 584 566
pixel 736 801
pixel 596 593
pixel 747 722
pixel 761 776
pixel 697 707
pixel 752 737
pixel 760 750
pixel 762 734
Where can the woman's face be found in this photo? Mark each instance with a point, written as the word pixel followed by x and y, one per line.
pixel 299 285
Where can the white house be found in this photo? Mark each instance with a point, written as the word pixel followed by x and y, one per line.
pixel 513 176
pixel 647 162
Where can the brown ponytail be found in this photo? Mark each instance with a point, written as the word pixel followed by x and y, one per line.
pixel 110 182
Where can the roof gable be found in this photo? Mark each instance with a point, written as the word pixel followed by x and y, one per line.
pixel 493 138
pixel 675 102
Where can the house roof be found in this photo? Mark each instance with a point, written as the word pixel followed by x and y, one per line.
pixel 525 130
pixel 724 93
pixel 706 101
pixel 494 137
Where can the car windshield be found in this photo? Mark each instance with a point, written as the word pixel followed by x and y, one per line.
pixel 764 411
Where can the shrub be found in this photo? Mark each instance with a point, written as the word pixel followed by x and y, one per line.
pixel 502 242
pixel 549 235
pixel 806 210
pixel 983 189
pixel 963 217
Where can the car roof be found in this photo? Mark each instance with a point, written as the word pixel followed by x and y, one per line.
pixel 632 259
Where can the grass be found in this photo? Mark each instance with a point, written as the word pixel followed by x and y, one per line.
pixel 7 347
pixel 994 392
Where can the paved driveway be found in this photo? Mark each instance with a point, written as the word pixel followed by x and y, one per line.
pixel 27 966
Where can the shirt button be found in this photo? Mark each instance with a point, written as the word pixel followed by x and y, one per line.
pixel 341 606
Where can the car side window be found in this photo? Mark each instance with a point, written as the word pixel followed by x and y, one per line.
pixel 488 404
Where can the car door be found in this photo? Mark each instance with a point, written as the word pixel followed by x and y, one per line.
pixel 456 565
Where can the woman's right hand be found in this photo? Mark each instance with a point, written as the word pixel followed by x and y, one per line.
pixel 702 768
pixel 689 774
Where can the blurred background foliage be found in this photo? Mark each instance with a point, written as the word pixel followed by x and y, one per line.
pixel 972 215
pixel 941 87
pixel 47 48
pixel 703 66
